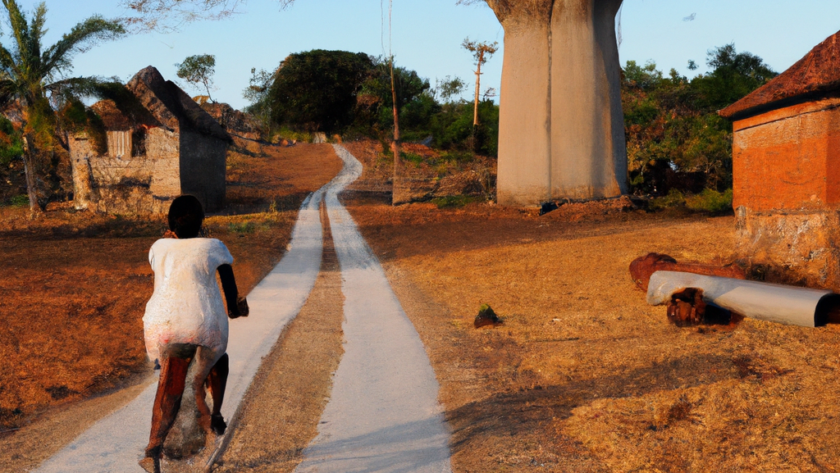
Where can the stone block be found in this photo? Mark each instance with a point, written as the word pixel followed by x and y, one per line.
pixel 795 247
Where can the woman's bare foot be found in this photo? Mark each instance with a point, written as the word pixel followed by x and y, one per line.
pixel 151 465
pixel 217 423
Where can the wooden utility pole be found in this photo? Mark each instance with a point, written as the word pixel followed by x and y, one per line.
pixel 481 52
pixel 395 145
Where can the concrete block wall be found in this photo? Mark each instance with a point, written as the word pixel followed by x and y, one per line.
pixel 786 183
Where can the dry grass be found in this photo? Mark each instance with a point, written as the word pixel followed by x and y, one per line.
pixel 428 172
pixel 583 375
pixel 75 285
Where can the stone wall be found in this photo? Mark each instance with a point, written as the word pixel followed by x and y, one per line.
pixel 786 170
pixel 794 247
pixel 130 185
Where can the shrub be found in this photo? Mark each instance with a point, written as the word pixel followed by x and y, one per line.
pixel 458 156
pixel 19 201
pixel 242 228
pixel 674 198
pixel 412 158
pixel 710 201
pixel 454 201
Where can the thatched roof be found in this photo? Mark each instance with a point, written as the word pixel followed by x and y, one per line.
pixel 814 76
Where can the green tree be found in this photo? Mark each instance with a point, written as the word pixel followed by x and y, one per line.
pixel 32 76
pixel 449 89
pixel 198 71
pixel 733 76
pixel 317 90
pixel 671 123
pixel 408 86
pixel 257 93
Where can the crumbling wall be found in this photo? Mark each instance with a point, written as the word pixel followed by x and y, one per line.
pixel 130 185
pixel 787 193
pixel 796 247
pixel 81 150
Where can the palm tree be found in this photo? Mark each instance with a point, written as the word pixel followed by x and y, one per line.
pixel 31 76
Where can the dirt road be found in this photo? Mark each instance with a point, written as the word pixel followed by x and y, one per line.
pixel 383 413
pixel 116 442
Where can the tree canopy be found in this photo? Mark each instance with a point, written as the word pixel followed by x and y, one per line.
pixel 316 90
pixel 33 78
pixel 198 71
pixel 672 123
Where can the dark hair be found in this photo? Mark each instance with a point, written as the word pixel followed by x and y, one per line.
pixel 186 216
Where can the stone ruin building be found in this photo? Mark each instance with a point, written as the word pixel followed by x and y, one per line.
pixel 786 171
pixel 159 146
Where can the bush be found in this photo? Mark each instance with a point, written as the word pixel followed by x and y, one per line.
pixel 710 201
pixel 412 158
pixel 291 135
pixel 458 156
pixel 454 201
pixel 19 201
pixel 674 198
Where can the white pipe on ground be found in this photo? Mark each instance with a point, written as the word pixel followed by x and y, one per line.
pixel 772 302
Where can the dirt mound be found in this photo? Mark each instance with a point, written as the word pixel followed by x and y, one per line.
pixel 593 210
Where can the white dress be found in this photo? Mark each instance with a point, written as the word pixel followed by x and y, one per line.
pixel 186 306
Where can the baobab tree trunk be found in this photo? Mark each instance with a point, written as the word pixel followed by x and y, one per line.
pixel 561 130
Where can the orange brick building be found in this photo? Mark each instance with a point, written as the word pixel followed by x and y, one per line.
pixel 786 171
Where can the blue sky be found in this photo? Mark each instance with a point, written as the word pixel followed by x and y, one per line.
pixel 427 35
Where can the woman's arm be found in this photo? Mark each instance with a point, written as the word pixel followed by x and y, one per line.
pixel 237 306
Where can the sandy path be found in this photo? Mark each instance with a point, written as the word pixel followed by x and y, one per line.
pixel 383 413
pixel 116 442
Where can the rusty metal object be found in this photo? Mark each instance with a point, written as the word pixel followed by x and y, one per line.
pixel 687 307
pixel 772 302
pixel 642 268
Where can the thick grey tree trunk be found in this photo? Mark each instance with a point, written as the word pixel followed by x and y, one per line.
pixel 561 130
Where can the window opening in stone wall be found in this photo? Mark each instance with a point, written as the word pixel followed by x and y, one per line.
pixel 119 144
pixel 138 141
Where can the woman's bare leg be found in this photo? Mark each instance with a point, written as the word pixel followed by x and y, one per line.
pixel 206 359
pixel 173 374
pixel 217 381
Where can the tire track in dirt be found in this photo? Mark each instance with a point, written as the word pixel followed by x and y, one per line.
pixel 281 411
pixel 383 413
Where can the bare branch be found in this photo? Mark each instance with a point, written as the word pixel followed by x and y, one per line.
pixel 169 15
